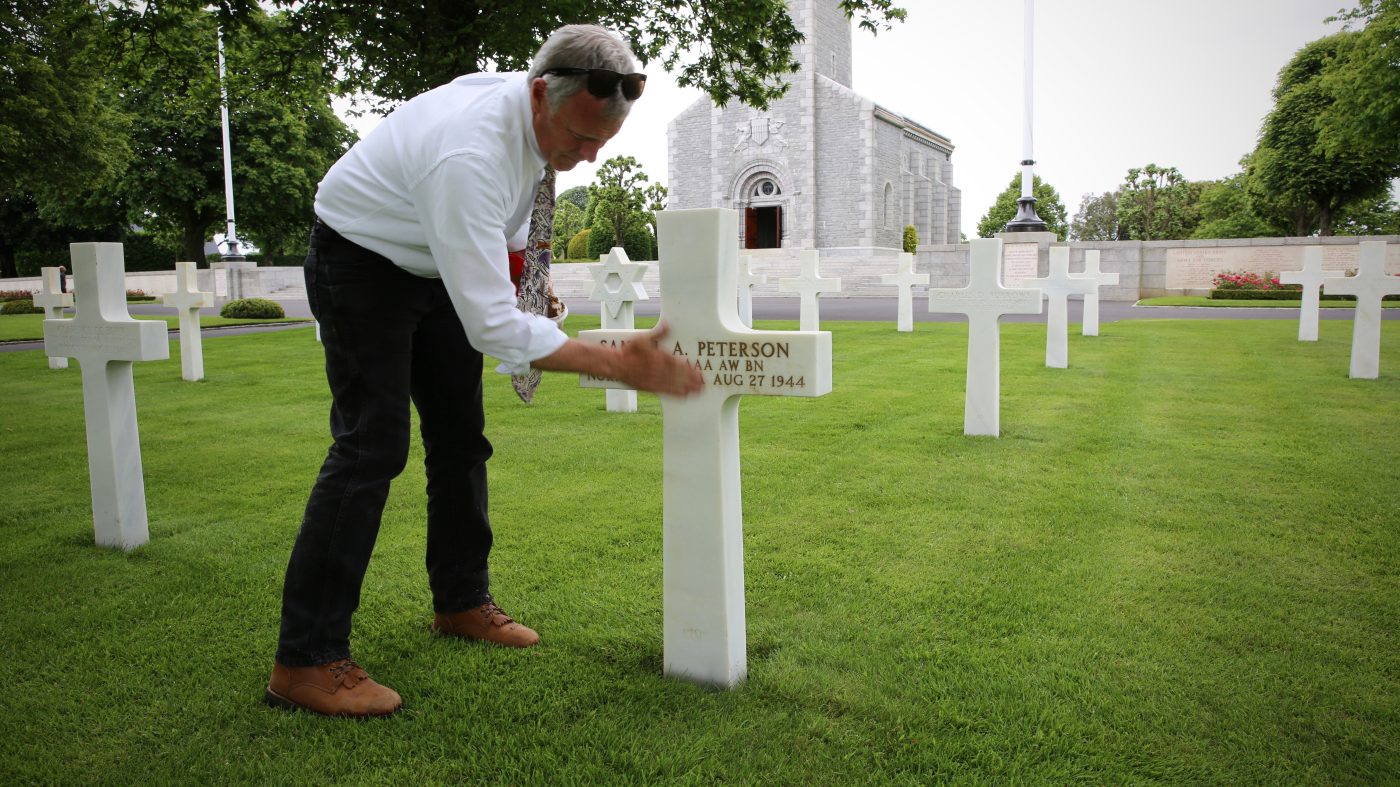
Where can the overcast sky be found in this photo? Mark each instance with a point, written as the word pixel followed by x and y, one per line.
pixel 1119 84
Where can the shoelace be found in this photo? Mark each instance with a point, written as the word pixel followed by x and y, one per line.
pixel 495 614
pixel 341 668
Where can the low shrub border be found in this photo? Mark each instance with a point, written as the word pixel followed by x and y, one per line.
pixel 252 308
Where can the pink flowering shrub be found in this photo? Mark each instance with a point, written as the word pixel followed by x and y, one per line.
pixel 1229 285
pixel 1229 280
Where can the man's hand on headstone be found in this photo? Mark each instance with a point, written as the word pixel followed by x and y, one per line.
pixel 647 366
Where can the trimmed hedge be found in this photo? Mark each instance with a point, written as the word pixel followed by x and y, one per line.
pixel 578 245
pixel 252 308
pixel 20 306
pixel 1257 295
pixel 1279 295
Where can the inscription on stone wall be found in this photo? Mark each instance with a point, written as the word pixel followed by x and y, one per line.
pixel 1193 269
pixel 1020 262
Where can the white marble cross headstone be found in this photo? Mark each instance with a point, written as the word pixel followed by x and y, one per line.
pixel 984 301
pixel 809 284
pixel 1090 327
pixel 905 280
pixel 1369 285
pixel 747 281
pixel 1058 286
pixel 702 505
pixel 188 300
pixel 106 340
pixel 1310 277
pixel 617 285
pixel 53 301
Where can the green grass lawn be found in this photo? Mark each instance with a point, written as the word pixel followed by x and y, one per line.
pixel 21 327
pixel 1180 563
pixel 1201 300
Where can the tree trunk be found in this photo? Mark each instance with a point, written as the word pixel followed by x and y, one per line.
pixel 1301 224
pixel 1325 221
pixel 8 269
pixel 192 241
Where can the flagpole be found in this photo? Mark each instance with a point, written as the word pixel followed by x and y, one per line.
pixel 230 229
pixel 1026 219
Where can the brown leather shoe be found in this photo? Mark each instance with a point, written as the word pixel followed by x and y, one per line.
pixel 340 688
pixel 486 622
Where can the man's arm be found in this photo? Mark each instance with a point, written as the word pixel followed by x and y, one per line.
pixel 640 363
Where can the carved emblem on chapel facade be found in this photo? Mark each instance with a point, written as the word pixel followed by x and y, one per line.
pixel 758 132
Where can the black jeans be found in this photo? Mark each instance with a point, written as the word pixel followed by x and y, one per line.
pixel 390 337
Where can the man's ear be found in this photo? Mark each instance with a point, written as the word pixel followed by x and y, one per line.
pixel 538 91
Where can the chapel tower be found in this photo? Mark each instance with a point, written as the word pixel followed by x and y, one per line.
pixel 822 167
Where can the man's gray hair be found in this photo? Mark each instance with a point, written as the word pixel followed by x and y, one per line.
pixel 583 46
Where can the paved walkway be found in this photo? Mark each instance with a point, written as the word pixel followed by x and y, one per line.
pixel 836 309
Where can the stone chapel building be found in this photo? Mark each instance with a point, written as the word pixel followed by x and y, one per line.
pixel 823 167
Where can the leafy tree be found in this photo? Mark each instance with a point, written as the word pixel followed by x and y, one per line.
pixel 578 195
pixel 639 237
pixel 620 192
pixel 1226 211
pixel 397 49
pixel 1292 166
pixel 568 220
pixel 1047 206
pixel 1097 218
pixel 911 239
pixel 653 200
pixel 1364 83
pixel 601 236
pixel 1157 203
pixel 61 133
pixel 1375 216
pixel 284 133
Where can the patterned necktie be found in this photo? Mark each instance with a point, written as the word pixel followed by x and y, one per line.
pixel 534 279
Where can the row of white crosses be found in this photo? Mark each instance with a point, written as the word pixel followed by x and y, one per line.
pixel 187 300
pixel 702 516
pixel 1370 285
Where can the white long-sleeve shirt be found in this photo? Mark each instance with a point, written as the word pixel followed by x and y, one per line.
pixel 443 186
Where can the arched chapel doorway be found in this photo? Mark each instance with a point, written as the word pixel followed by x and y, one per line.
pixel 762 200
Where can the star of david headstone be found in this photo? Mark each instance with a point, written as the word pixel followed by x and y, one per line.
pixel 617 285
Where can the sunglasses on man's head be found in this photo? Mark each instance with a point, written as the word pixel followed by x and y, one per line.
pixel 602 82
